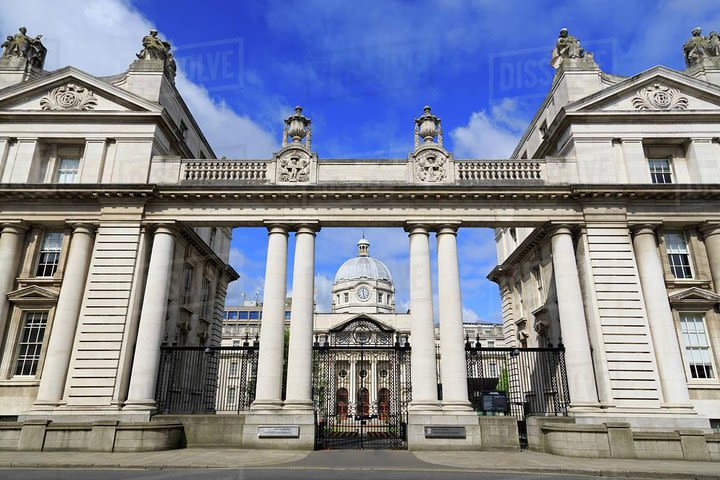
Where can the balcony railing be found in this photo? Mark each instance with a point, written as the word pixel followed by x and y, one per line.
pixel 224 170
pixel 499 170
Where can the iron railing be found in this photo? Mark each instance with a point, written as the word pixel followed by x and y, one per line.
pixel 207 379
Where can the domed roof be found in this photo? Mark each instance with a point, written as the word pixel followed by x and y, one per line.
pixel 363 267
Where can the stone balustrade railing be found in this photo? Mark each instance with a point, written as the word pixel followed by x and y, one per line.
pixel 489 170
pixel 224 170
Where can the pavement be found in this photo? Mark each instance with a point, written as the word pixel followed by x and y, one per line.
pixel 293 463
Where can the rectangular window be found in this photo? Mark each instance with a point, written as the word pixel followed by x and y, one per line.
pixel 232 315
pixel 30 343
pixel 537 275
pixel 68 170
pixel 49 254
pixel 205 296
pixel 254 315
pixel 234 369
pixel 520 302
pixel 380 297
pixel 236 343
pixel 678 255
pixel 660 171
pixel 287 314
pixel 231 395
pixel 697 347
pixel 187 283
pixel 347 297
pixel 243 315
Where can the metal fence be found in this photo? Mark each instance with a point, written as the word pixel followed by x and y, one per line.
pixel 207 379
pixel 517 381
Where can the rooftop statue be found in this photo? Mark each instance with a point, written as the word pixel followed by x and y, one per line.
pixel 156 49
pixel 567 47
pixel 698 47
pixel 22 45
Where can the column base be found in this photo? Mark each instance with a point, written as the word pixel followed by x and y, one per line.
pixel 270 405
pixel 583 407
pixel 457 406
pixel 134 405
pixel 45 405
pixel 298 405
pixel 429 406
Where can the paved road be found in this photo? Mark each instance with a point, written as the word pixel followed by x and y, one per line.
pixel 323 465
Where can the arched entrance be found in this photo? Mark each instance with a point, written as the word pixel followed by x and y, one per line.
pixel 365 362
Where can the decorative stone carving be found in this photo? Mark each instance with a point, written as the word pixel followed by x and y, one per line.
pixel 659 97
pixel 24 46
pixel 294 166
pixel 156 49
pixel 428 128
pixel 698 48
pixel 567 47
pixel 431 166
pixel 69 97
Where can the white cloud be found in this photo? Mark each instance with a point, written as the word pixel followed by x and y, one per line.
pixel 469 315
pixel 102 38
pixel 492 135
pixel 323 292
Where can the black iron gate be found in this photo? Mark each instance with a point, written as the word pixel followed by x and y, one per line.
pixel 361 387
pixel 517 381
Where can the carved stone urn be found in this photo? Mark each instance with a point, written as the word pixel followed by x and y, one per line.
pixel 297 125
pixel 427 125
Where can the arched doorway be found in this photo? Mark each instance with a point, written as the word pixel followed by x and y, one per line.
pixel 363 403
pixel 341 405
pixel 383 404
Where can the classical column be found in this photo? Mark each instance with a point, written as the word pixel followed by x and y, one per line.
pixel 151 329
pixel 578 358
pixel 711 236
pixel 272 328
pixel 452 344
pixel 662 326
pixel 299 371
pixel 11 245
pixel 62 336
pixel 423 369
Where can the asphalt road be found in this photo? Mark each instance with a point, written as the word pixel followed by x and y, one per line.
pixel 337 465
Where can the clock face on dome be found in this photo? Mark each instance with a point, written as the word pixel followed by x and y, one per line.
pixel 363 293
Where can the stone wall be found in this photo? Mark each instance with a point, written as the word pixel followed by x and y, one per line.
pixel 562 436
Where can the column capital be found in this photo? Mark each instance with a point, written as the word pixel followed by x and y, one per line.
pixel 308 226
pixel 644 229
pixel 18 227
pixel 166 229
pixel 709 228
pixel 82 227
pixel 275 226
pixel 447 228
pixel 417 228
pixel 561 229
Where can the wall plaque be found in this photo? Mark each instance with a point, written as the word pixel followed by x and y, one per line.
pixel 278 431
pixel 444 431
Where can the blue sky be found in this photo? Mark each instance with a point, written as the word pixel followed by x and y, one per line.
pixel 363 71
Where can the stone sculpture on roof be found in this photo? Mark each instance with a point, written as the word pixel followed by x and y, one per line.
pixel 156 49
pixel 699 47
pixel 567 47
pixel 21 45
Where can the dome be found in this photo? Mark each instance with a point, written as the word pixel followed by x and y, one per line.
pixel 363 267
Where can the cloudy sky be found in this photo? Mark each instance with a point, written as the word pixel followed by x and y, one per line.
pixel 363 71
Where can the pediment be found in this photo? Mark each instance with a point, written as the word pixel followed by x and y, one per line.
pixel 71 90
pixel 694 296
pixel 362 317
pixel 656 90
pixel 33 294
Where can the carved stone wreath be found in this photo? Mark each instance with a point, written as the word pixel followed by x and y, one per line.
pixel 659 97
pixel 69 97
pixel 431 166
pixel 294 166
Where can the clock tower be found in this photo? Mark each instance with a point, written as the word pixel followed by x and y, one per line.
pixel 363 285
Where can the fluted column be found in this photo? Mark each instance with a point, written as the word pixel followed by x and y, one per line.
pixel 299 371
pixel 151 328
pixel 578 358
pixel 62 336
pixel 452 344
pixel 11 244
pixel 662 326
pixel 711 236
pixel 270 358
pixel 423 369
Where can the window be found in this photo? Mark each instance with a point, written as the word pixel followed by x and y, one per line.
pixel 380 297
pixel 183 129
pixel 232 315
pixel 254 315
pixel 236 343
pixel 231 395
pixel 68 170
pixel 234 369
pixel 287 314
pixel 187 283
pixel 537 275
pixel 347 297
pixel 715 425
pixel 49 254
pixel 205 296
pixel 697 347
pixel 678 255
pixel 520 302
pixel 30 343
pixel 243 315
pixel 660 170
pixel 213 233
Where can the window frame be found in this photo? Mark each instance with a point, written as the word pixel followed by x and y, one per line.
pixel 715 379
pixel 688 253
pixel 14 330
pixel 670 170
pixel 38 257
pixel 187 283
pixel 59 169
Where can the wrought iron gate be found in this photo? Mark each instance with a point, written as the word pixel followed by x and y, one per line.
pixel 517 381
pixel 361 387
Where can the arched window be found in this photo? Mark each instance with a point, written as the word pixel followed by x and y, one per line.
pixel 341 405
pixel 383 403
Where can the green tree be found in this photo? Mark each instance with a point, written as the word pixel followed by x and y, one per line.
pixel 503 384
